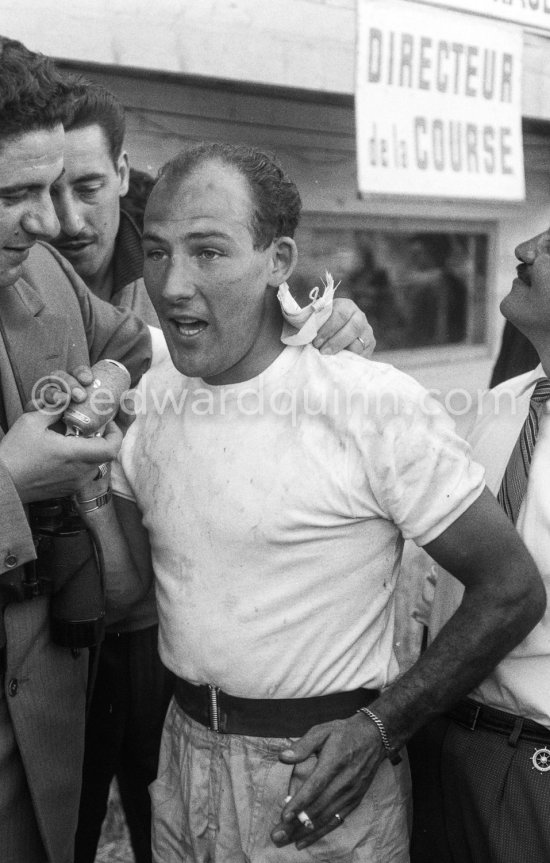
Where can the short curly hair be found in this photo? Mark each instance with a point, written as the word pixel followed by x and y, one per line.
pixel 33 93
pixel 277 202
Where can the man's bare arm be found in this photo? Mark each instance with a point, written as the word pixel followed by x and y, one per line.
pixel 504 598
pixel 124 544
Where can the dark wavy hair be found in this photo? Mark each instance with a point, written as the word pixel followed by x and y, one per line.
pixel 91 104
pixel 277 202
pixel 33 93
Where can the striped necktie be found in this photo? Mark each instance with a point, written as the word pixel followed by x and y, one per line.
pixel 514 481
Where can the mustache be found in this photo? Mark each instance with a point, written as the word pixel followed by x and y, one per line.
pixel 523 274
pixel 64 240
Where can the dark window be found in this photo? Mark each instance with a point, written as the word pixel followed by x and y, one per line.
pixel 417 289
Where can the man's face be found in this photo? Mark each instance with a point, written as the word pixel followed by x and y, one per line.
pixel 208 283
pixel 29 164
pixel 87 199
pixel 528 303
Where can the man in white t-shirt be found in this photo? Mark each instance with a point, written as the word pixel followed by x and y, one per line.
pixel 277 486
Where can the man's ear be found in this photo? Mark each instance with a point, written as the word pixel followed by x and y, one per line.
pixel 123 171
pixel 284 259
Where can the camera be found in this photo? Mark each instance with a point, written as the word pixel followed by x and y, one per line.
pixel 68 562
pixel 68 565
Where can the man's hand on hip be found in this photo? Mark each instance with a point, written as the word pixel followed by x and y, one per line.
pixel 348 752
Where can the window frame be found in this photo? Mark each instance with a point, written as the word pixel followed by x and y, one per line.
pixel 416 357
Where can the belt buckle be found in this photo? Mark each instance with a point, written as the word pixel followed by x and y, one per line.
pixel 213 708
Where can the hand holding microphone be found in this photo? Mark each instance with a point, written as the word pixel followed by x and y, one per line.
pixel 89 417
pixel 43 461
pixel 103 396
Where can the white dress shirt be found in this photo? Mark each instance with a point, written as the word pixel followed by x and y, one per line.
pixel 520 684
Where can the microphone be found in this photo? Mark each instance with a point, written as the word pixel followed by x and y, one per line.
pixel 87 418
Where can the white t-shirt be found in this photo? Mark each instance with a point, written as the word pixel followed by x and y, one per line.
pixel 520 684
pixel 276 510
pixel 158 345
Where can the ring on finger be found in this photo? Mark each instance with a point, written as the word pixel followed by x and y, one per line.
pixel 363 342
pixel 337 817
pixel 101 471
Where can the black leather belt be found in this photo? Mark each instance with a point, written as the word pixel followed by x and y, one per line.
pixel 271 717
pixel 472 715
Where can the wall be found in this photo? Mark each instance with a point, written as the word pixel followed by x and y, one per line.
pixel 289 43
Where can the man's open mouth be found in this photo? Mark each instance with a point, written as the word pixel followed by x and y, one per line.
pixel 189 327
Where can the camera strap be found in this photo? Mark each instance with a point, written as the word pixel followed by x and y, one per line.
pixel 3 415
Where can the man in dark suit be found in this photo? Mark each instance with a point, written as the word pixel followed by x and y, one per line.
pixel 132 688
pixel 49 322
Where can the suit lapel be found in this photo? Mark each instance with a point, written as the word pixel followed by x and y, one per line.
pixel 36 338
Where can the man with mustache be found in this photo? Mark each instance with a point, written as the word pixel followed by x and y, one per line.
pixel 132 688
pixel 495 758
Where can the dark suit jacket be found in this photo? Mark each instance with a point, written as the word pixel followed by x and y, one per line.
pixel 51 321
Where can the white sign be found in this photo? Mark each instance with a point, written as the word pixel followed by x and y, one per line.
pixel 437 103
pixel 530 13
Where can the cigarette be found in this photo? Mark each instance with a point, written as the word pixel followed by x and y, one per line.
pixel 302 816
pixel 304 819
